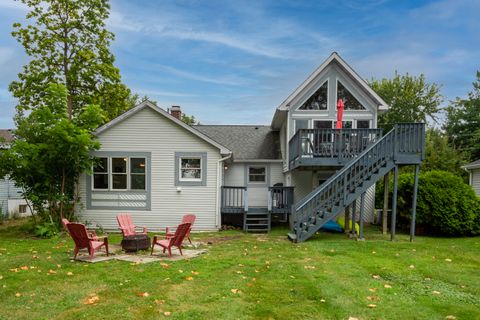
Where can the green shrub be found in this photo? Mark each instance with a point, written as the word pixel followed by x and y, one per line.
pixel 445 204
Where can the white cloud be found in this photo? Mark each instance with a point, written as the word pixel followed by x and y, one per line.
pixel 13 5
pixel 153 92
pixel 230 80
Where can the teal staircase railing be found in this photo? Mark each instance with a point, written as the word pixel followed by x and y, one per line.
pixel 403 145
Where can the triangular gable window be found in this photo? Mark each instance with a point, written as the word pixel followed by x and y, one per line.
pixel 318 101
pixel 350 102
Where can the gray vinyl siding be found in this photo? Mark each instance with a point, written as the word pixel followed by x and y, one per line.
pixel 283 146
pixel 257 192
pixel 476 180
pixel 276 173
pixel 302 181
pixel 149 131
pixel 237 175
pixel 234 176
pixel 369 210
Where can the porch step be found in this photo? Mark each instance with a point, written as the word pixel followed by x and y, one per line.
pixel 257 221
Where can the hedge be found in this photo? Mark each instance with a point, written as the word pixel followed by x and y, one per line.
pixel 446 205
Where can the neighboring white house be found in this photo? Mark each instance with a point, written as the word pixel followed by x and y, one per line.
pixel 474 175
pixel 157 168
pixel 11 200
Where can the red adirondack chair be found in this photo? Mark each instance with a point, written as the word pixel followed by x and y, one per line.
pixel 125 223
pixel 174 241
pixel 83 240
pixel 188 218
pixel 91 233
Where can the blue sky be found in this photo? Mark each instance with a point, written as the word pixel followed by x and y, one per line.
pixel 233 62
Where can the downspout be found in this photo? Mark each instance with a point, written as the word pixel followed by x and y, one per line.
pixel 219 188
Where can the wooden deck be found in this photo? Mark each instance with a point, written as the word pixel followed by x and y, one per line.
pixel 329 147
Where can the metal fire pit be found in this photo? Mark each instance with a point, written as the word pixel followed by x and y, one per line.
pixel 136 242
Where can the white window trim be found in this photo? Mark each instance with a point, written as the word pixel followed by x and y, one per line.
pixel 110 174
pixel 180 178
pixel 257 182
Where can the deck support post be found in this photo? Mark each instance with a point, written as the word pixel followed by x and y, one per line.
pixel 362 210
pixel 394 203
pixel 414 203
pixel 347 220
pixel 354 218
pixel 386 186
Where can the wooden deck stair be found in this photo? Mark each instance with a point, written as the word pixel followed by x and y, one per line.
pixel 401 146
pixel 257 220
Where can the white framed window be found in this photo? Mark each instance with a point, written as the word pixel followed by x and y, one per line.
pixel 363 124
pixel 100 174
pixel 22 208
pixel 319 100
pixel 347 124
pixel 137 173
pixel 349 100
pixel 257 174
pixel 119 173
pixel 190 169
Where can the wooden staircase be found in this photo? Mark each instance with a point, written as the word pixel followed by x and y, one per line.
pixel 257 220
pixel 403 145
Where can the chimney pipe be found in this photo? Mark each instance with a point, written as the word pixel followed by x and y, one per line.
pixel 176 112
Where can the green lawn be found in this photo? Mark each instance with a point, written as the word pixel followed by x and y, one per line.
pixel 245 276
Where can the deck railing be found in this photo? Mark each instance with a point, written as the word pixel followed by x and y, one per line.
pixel 280 199
pixel 234 199
pixel 339 144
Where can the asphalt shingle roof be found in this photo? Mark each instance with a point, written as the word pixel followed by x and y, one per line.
pixel 473 164
pixel 246 142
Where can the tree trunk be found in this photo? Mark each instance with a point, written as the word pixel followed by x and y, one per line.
pixel 62 193
pixel 66 72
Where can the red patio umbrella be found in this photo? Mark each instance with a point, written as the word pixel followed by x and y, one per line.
pixel 340 107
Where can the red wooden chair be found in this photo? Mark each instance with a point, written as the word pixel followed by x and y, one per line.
pixel 174 241
pixel 125 223
pixel 188 218
pixel 83 240
pixel 91 233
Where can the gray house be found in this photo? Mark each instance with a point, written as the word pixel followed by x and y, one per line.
pixel 157 168
pixel 474 175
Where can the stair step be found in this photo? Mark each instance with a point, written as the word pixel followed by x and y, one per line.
pixel 292 236
pixel 256 229
pixel 257 224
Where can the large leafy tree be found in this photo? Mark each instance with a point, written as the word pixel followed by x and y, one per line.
pixel 51 151
pixel 68 43
pixel 439 154
pixel 463 123
pixel 411 99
